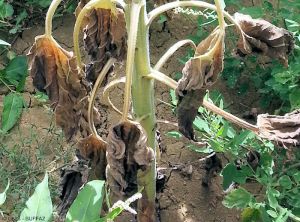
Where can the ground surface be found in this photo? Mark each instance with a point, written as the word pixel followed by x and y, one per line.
pixel 183 199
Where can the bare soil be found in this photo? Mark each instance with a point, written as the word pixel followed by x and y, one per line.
pixel 183 199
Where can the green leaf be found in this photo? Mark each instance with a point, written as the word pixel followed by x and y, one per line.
pixel 296 177
pixel 21 16
pixel 6 10
pixel 266 163
pixel 272 195
pixel 294 200
pixel 16 71
pixel 241 138
pixel 41 97
pixel 38 206
pixel 174 134
pixel 239 198
pixel 201 125
pixel 200 149
pixel 3 194
pixel 285 181
pixel 88 204
pixel 264 215
pixel 114 213
pixel 162 19
pixel 228 131
pixel 2 42
pixel 231 174
pixel 251 215
pixel 272 213
pixel 255 11
pixel 295 98
pixel 173 97
pixel 216 145
pixel 12 109
pixel 45 3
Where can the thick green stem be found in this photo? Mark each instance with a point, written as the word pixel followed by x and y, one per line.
pixel 144 109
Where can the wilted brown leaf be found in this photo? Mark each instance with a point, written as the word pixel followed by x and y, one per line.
pixel 265 38
pixel 55 72
pixel 127 152
pixel 104 37
pixel 282 129
pixel 93 149
pixel 72 178
pixel 118 33
pixel 187 110
pixel 199 74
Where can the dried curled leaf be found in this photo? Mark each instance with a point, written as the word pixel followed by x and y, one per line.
pixel 127 152
pixel 93 149
pixel 72 178
pixel 282 129
pixel 54 71
pixel 104 37
pixel 187 110
pixel 199 73
pixel 264 37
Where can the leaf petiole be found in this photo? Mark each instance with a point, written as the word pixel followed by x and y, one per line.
pixel 171 51
pixel 49 17
pixel 97 85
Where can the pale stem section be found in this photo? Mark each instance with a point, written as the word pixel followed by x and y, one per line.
pixel 134 21
pixel 49 17
pixel 107 90
pixel 97 85
pixel 162 78
pixel 220 15
pixel 171 51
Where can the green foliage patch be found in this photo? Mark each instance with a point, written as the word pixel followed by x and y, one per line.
pixel 17 15
pixel 13 76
